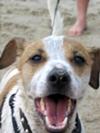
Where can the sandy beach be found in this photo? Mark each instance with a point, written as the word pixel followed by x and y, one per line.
pixel 30 19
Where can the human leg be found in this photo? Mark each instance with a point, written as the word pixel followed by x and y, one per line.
pixel 80 24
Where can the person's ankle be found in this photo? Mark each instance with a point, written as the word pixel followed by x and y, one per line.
pixel 81 20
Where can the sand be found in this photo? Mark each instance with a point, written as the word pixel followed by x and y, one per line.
pixel 30 19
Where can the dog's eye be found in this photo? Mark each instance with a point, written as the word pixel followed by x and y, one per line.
pixel 79 60
pixel 36 58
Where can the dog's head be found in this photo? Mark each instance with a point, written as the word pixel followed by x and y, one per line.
pixel 55 72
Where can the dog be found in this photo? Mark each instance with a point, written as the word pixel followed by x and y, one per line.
pixel 40 93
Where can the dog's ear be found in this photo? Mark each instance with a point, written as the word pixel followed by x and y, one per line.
pixel 13 49
pixel 95 71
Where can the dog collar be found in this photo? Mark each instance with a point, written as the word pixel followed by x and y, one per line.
pixel 23 118
pixel 78 127
pixel 14 122
pixel 24 122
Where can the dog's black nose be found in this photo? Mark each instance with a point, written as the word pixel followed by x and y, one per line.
pixel 58 78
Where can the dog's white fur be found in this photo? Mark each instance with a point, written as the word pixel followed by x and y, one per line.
pixel 57 21
pixel 33 84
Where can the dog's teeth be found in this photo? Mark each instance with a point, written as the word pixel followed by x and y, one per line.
pixel 65 121
pixel 42 105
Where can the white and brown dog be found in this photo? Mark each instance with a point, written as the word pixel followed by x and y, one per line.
pixel 40 94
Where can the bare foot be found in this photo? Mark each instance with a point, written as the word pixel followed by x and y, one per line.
pixel 77 29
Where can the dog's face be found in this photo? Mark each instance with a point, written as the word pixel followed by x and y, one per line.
pixel 55 73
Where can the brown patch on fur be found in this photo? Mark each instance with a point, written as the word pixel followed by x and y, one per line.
pixel 71 47
pixel 8 87
pixel 26 66
pixel 26 63
pixel 31 50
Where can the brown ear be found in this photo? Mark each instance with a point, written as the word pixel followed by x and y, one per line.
pixel 12 49
pixel 95 71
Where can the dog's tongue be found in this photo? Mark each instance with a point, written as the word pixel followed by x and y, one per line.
pixel 56 110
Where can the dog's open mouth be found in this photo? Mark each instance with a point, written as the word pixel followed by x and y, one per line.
pixel 56 111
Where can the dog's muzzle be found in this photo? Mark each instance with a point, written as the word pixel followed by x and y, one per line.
pixel 56 108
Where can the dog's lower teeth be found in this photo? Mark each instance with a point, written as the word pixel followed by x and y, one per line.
pixel 65 121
